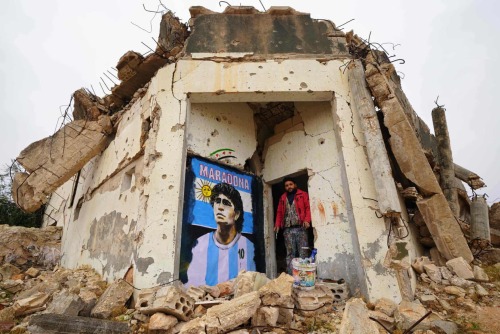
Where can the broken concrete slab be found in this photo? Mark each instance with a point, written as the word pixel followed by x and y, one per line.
pixel 419 264
pixel 58 323
pixel 112 302
pixel 7 270
pixel 161 323
pixel 233 313
pixel 244 283
pixel 31 304
pixel 195 326
pixel 356 319
pixel 166 299
pixel 25 247
pixel 433 272
pixel 87 106
pixel 444 228
pixel 313 302
pixel 278 292
pixel 461 268
pixel 385 306
pixel 52 161
pixel 480 275
pixel 266 316
pixel 64 302
pixel 408 313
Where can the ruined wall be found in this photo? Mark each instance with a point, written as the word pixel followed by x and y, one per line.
pixel 193 103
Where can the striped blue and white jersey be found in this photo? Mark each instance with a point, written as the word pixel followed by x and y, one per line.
pixel 214 263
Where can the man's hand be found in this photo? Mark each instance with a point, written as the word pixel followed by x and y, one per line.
pixel 276 229
pixel 307 224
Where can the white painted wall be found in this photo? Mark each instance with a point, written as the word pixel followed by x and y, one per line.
pixel 215 126
pixel 329 144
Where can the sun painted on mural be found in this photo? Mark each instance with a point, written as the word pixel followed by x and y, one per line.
pixel 223 153
pixel 203 190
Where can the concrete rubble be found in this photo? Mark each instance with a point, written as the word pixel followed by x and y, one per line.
pixel 50 299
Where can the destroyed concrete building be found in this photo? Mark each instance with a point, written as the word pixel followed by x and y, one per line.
pixel 246 98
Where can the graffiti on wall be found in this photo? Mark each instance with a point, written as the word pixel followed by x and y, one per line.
pixel 219 223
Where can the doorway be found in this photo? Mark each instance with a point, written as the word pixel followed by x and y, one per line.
pixel 301 179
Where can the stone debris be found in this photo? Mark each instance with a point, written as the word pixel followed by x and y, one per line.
pixel 315 301
pixel 26 247
pixel 166 299
pixel 356 319
pixel 47 297
pixel 32 304
pixel 112 301
pixel 233 313
pixel 461 268
pixel 161 323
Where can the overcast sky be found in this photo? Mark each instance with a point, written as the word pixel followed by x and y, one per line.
pixel 51 48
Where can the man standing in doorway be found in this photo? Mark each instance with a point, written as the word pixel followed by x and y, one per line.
pixel 294 217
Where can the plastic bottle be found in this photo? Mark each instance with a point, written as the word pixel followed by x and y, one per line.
pixel 313 255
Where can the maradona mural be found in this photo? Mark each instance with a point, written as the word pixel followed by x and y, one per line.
pixel 221 223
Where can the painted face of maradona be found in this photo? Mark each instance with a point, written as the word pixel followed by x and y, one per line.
pixel 224 212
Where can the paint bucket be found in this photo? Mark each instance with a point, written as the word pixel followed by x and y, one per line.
pixel 304 273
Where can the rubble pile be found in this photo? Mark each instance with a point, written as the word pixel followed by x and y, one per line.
pixel 42 299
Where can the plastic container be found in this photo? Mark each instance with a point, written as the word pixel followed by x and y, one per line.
pixel 304 273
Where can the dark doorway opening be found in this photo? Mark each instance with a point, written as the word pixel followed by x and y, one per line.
pixel 278 189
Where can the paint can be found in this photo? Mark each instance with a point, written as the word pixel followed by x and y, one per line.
pixel 304 273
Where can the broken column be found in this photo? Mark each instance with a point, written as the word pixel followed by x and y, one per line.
pixel 480 224
pixel 411 159
pixel 445 159
pixel 471 178
pixel 361 100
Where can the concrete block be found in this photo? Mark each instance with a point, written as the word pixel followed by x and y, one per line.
pixel 244 283
pixel 196 293
pixel 385 306
pixel 31 304
pixel 166 299
pixel 419 262
pixel 266 316
pixel 195 326
pixel 433 272
pixel 460 267
pixel 112 301
pixel 407 313
pixel 66 303
pixel 480 275
pixel 313 302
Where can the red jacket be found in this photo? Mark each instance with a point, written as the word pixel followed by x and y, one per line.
pixel 301 205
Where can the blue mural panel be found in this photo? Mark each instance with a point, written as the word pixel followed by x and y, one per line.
pixel 220 223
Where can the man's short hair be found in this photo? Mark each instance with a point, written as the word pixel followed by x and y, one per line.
pixel 234 196
pixel 288 178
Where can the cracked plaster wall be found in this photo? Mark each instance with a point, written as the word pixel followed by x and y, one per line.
pixel 215 126
pixel 349 235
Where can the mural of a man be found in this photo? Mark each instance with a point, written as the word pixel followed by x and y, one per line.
pixel 219 255
pixel 294 217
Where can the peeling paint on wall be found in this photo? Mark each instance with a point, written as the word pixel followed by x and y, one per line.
pixel 111 241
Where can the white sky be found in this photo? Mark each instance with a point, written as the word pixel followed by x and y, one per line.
pixel 51 48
